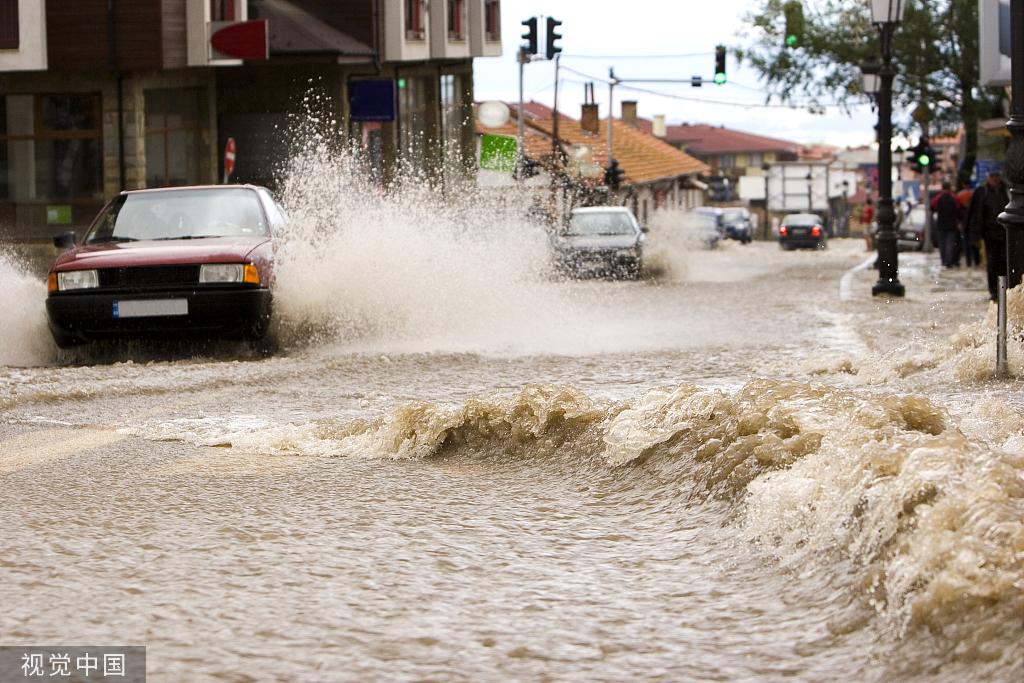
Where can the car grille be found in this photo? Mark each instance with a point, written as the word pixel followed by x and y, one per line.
pixel 142 277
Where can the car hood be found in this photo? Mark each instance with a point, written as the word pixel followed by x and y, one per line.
pixel 153 252
pixel 599 242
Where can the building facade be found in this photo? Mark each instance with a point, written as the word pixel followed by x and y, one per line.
pixel 99 96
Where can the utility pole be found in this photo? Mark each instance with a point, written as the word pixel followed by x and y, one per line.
pixel 556 155
pixel 522 125
pixel 612 81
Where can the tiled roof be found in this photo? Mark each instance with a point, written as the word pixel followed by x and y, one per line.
pixel 644 158
pixel 703 139
pixel 535 143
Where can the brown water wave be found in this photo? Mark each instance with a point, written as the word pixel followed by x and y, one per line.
pixel 924 508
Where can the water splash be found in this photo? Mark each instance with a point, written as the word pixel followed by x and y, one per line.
pixel 24 337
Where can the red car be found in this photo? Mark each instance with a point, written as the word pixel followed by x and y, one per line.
pixel 183 262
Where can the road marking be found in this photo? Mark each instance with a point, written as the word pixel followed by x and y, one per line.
pixel 34 448
pixel 846 283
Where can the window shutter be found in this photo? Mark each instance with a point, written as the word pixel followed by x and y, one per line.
pixel 9 24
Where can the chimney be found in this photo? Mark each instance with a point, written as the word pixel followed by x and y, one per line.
pixel 658 129
pixel 629 112
pixel 589 121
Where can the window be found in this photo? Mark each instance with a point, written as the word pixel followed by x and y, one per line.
pixel 51 147
pixel 726 161
pixel 456 20
pixel 414 20
pixel 174 148
pixel 222 10
pixel 412 121
pixel 453 116
pixel 755 159
pixel 492 20
pixel 9 24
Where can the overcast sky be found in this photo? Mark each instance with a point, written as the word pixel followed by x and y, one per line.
pixel 687 32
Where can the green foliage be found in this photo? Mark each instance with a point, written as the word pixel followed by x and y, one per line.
pixel 935 52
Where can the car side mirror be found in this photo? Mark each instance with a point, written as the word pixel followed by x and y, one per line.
pixel 65 240
pixel 644 228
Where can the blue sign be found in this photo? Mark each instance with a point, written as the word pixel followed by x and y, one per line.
pixel 981 169
pixel 372 100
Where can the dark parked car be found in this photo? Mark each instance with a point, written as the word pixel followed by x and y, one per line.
pixel 910 232
pixel 193 262
pixel 802 230
pixel 734 222
pixel 737 224
pixel 604 240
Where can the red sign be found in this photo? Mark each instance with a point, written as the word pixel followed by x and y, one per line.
pixel 229 157
pixel 243 39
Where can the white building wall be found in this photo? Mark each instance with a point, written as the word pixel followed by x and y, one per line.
pixel 31 52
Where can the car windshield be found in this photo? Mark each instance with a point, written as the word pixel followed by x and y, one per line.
pixel 734 215
pixel 801 221
pixel 180 214
pixel 610 223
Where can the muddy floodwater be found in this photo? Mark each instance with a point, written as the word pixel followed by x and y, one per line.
pixel 738 468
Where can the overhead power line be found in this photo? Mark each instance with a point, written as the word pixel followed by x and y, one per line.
pixel 624 83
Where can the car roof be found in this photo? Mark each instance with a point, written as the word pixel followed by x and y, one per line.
pixel 603 209
pixel 179 188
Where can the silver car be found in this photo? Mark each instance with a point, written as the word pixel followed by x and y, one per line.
pixel 604 241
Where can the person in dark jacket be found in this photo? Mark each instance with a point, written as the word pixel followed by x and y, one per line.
pixel 987 202
pixel 947 226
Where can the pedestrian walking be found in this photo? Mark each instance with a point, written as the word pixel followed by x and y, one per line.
pixel 987 203
pixel 971 247
pixel 867 220
pixel 947 226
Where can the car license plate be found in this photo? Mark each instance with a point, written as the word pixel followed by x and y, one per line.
pixel 144 308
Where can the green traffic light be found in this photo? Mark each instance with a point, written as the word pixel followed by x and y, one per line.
pixel 719 78
pixel 924 160
pixel 790 41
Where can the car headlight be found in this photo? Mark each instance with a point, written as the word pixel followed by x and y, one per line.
pixel 77 279
pixel 221 272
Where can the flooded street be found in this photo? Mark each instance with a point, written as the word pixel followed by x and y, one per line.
pixel 740 467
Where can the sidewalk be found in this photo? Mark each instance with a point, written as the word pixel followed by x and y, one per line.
pixel 923 277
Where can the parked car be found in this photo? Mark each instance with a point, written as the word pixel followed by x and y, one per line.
pixel 700 230
pixel 734 222
pixel 910 231
pixel 604 240
pixel 802 230
pixel 169 263
pixel 737 224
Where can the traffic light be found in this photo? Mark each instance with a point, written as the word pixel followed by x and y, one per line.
pixel 552 37
pixel 527 168
pixel 794 13
pixel 929 159
pixel 613 175
pixel 915 153
pixel 720 64
pixel 530 36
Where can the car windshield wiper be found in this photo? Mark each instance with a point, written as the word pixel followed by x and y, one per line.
pixel 113 239
pixel 185 237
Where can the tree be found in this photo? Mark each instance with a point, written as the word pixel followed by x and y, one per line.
pixel 935 53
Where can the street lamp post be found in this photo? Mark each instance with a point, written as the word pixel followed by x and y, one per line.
pixel 845 227
pixel 886 14
pixel 765 169
pixel 1012 218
